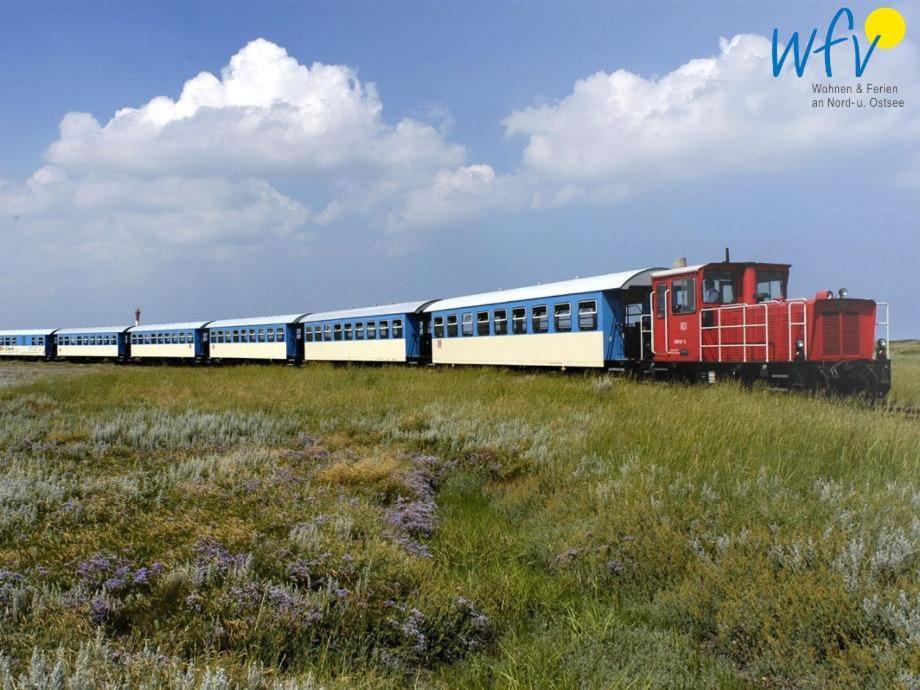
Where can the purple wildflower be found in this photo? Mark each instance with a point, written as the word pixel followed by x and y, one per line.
pixel 413 517
pixel 9 583
pixel 411 629
pixel 194 602
pixel 100 610
pixel 213 559
pixel 614 567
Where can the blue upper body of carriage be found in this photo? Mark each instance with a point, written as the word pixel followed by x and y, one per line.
pixel 386 322
pixel 95 336
pixel 190 332
pixel 38 337
pixel 260 329
pixel 596 303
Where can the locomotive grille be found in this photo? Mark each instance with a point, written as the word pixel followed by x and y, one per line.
pixel 840 334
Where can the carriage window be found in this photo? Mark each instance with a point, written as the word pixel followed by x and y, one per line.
pixel 327 332
pixel 661 302
pixel 519 320
pixel 359 331
pixel 262 335
pixel 182 338
pixel 384 330
pixel 468 324
pixel 348 328
pixel 452 326
pixel 371 330
pixel 397 328
pixel 271 334
pixel 252 335
pixel 175 339
pixel 482 323
pixel 718 287
pixel 438 327
pixel 587 315
pixel 540 319
pixel 337 331
pixel 770 285
pixel 279 335
pixel 500 322
pixel 562 317
pixel 683 296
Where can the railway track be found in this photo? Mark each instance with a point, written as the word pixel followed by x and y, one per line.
pixel 898 410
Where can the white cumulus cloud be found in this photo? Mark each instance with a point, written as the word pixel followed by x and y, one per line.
pixel 621 131
pixel 265 112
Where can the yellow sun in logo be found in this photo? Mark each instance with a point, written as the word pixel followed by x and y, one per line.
pixel 887 23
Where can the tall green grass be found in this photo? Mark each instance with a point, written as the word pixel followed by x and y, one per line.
pixel 586 531
pixel 905 373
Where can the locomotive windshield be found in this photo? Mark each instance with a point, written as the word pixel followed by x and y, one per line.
pixel 770 285
pixel 718 287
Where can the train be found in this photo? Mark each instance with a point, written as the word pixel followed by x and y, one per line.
pixel 706 322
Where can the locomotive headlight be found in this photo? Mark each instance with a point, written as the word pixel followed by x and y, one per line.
pixel 881 351
pixel 799 349
pixel 843 293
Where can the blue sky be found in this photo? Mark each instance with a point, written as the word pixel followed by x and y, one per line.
pixel 436 149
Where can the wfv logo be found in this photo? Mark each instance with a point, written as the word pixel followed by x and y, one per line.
pixel 885 28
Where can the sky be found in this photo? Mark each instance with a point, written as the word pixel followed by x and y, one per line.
pixel 219 159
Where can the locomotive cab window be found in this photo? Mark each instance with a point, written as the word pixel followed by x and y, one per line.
pixel 770 285
pixel 718 287
pixel 683 296
pixel 661 301
pixel 519 320
pixel 587 315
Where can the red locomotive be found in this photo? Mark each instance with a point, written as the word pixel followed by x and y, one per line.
pixel 736 320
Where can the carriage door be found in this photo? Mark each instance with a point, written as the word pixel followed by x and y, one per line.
pixel 424 326
pixel 676 329
pixel 683 329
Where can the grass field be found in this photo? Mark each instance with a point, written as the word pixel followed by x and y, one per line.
pixel 905 373
pixel 266 526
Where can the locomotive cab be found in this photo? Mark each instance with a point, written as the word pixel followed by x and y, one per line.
pixel 690 300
